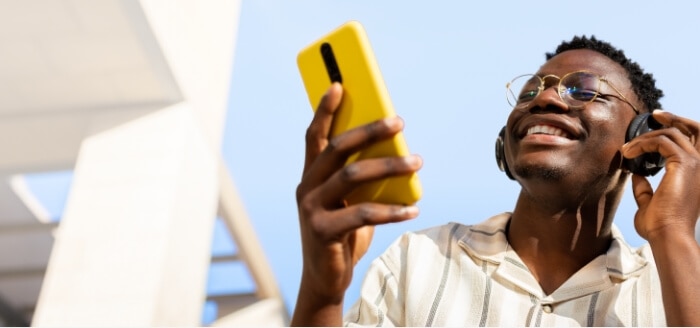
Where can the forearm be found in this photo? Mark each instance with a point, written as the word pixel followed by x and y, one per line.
pixel 677 257
pixel 317 311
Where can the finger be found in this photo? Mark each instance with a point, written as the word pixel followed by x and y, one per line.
pixel 642 191
pixel 343 221
pixel 317 133
pixel 344 181
pixel 361 237
pixel 336 153
pixel 688 127
pixel 669 142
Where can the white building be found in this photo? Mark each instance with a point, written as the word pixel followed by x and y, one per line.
pixel 131 95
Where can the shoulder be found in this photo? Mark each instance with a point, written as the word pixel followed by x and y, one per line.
pixel 486 237
pixel 626 261
pixel 457 231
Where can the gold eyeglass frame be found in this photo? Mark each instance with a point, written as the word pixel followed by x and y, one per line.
pixel 561 89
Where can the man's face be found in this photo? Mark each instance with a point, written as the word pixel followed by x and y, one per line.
pixel 549 141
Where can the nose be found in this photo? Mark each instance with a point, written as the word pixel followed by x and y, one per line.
pixel 549 99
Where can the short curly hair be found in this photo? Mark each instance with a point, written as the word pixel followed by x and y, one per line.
pixel 643 84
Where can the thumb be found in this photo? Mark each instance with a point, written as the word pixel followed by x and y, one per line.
pixel 642 190
pixel 360 243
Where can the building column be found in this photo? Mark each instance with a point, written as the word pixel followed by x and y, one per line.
pixel 134 245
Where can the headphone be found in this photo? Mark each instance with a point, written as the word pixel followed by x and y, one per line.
pixel 647 164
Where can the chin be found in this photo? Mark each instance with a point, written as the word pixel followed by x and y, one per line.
pixel 546 173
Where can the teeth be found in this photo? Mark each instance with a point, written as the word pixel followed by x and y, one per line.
pixel 546 129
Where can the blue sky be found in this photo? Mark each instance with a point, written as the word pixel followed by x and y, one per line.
pixel 445 64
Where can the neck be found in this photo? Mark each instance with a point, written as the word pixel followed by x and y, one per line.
pixel 565 236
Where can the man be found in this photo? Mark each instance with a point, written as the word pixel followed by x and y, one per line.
pixel 557 258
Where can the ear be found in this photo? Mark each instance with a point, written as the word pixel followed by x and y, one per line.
pixel 501 153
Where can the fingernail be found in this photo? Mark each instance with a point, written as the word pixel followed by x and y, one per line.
pixel 414 159
pixel 410 210
pixel 659 110
pixel 330 89
pixel 392 121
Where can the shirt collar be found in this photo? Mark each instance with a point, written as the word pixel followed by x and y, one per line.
pixel 487 241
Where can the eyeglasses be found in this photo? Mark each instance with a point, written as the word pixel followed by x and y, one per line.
pixel 576 89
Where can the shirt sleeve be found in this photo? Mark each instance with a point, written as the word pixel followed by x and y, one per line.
pixel 381 301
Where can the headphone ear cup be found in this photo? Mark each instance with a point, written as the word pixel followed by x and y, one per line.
pixel 634 130
pixel 501 153
pixel 647 164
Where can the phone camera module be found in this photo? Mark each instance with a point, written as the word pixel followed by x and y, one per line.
pixel 331 63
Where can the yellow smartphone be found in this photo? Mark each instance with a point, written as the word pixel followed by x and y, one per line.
pixel 345 55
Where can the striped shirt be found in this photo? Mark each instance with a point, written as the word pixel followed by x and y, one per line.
pixel 458 275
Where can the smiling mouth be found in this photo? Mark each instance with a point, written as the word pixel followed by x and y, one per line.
pixel 547 130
